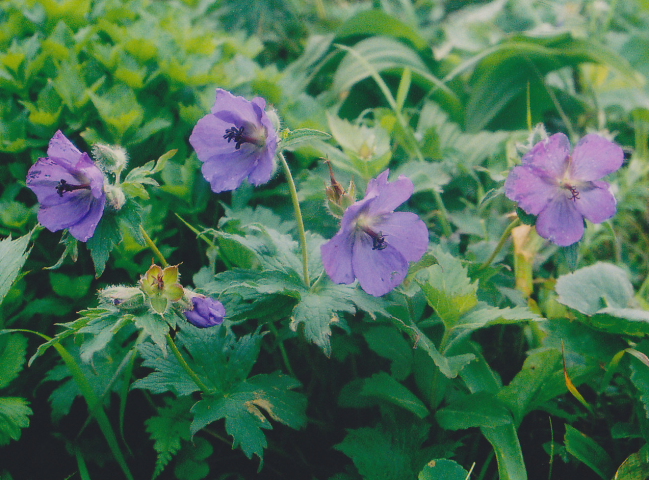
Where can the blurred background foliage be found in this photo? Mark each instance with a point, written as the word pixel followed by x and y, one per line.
pixel 445 92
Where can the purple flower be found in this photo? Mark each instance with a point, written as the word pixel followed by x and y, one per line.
pixel 563 189
pixel 207 312
pixel 70 189
pixel 375 243
pixel 236 141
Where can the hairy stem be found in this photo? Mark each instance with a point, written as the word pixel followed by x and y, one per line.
pixel 194 376
pixel 151 244
pixel 298 218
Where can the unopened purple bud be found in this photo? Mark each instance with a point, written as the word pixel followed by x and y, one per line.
pixel 206 312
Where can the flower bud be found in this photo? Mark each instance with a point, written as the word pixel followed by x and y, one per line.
pixel 338 199
pixel 205 312
pixel 115 196
pixel 111 158
pixel 124 298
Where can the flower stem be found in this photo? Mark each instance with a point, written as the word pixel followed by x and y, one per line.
pixel 282 349
pixel 501 243
pixel 298 218
pixel 194 376
pixel 154 247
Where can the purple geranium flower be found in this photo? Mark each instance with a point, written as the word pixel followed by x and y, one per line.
pixel 235 141
pixel 375 243
pixel 563 189
pixel 70 189
pixel 207 312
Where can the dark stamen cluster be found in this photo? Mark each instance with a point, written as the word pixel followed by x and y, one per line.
pixel 378 239
pixel 574 192
pixel 64 186
pixel 235 134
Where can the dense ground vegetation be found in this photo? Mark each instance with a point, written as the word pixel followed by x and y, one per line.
pixel 501 355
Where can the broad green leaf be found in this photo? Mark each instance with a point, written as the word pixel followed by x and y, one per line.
pixel 107 235
pixel 541 379
pixel 168 374
pixel 292 138
pixel 593 288
pixel 378 22
pixel 382 386
pixel 604 292
pixel 640 379
pixel 14 416
pixel 443 469
pixel 383 53
pixel 389 343
pixel 448 288
pixel 155 327
pixel 505 71
pixel 479 409
pixel 74 287
pixel 243 410
pixel 317 311
pixel 13 254
pixel 13 349
pixel 635 467
pixel 191 463
pixel 376 455
pixel 589 452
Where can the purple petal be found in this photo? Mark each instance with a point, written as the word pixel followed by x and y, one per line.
pixel 263 170
pixel 560 222
pixel 85 229
pixel 64 215
pixel 378 271
pixel 595 157
pixel 337 257
pixel 62 149
pixel 596 204
pixel 406 232
pixel 233 110
pixel 532 189
pixel 550 155
pixel 92 174
pixel 44 176
pixel 207 139
pixel 226 172
pixel 389 195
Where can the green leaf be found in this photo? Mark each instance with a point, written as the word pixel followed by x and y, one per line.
pixel 378 22
pixel 443 469
pixel 13 349
pixel 191 463
pixel 604 292
pixel 107 235
pixel 377 455
pixel 168 374
pixel 13 254
pixel 587 451
pixel 591 289
pixel 74 287
pixel 635 467
pixel 389 343
pixel 155 327
pixel 481 409
pixel 382 386
pixel 292 138
pixel 540 380
pixel 168 429
pixel 383 53
pixel 243 410
pixel 448 288
pixel 14 416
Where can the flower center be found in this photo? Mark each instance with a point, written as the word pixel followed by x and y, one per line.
pixel 64 186
pixel 574 193
pixel 378 239
pixel 239 137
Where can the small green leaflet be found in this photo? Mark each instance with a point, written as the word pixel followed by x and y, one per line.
pixel 13 254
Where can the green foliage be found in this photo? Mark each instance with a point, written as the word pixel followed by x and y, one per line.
pixel 449 94
pixel 13 254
